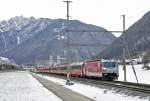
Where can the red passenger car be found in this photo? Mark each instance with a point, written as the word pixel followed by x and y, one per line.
pixel 76 69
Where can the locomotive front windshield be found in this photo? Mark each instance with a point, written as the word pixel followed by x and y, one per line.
pixel 109 64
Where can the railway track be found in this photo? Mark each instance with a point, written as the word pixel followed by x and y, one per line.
pixel 144 88
pixel 138 87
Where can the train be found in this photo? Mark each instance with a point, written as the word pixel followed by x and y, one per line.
pixel 103 69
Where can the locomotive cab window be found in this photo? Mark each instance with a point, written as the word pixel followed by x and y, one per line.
pixel 109 64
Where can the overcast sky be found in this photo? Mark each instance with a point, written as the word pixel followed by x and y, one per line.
pixel 105 13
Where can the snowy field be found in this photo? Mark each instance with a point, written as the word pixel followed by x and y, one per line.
pixel 21 86
pixel 142 74
pixel 95 93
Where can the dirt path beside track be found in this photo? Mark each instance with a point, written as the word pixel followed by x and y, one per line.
pixel 62 92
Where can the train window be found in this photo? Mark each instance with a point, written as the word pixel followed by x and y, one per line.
pixel 109 64
pixel 62 68
pixel 54 68
pixel 76 67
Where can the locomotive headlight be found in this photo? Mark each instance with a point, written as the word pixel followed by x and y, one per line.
pixel 105 74
pixel 104 69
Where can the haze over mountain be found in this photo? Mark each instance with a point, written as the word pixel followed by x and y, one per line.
pixel 137 39
pixel 29 40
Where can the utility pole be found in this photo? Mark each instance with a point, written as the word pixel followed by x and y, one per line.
pixel 43 51
pixel 124 49
pixel 67 45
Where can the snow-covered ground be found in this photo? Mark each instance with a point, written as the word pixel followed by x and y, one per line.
pixel 95 93
pixel 142 74
pixel 21 86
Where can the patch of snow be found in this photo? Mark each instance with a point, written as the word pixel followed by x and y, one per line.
pixel 63 26
pixel 142 74
pixel 42 26
pixel 17 27
pixel 62 37
pixel 5 59
pixel 21 86
pixel 57 30
pixel 4 39
pixel 1 30
pixel 94 93
pixel 18 40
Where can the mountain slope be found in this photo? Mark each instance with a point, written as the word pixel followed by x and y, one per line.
pixel 18 29
pixel 41 38
pixel 137 39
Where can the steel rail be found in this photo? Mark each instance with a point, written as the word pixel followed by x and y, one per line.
pixel 139 87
